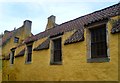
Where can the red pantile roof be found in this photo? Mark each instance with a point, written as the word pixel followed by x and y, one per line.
pixel 76 37
pixel 78 23
pixel 7 37
pixel 43 45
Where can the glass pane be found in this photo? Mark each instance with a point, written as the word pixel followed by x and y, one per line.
pixel 98 42
pixel 57 50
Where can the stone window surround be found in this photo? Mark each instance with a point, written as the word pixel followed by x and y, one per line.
pixel 26 53
pixel 51 51
pixel 16 39
pixel 12 56
pixel 88 43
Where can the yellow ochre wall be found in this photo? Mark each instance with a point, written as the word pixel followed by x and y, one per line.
pixel 74 63
pixel 22 33
pixel 6 49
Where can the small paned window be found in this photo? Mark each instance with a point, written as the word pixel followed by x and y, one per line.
pixel 57 52
pixel 29 53
pixel 98 43
pixel 16 39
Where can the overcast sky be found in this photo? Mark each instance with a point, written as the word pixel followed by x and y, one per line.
pixel 14 12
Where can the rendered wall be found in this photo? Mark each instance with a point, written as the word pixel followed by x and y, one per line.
pixel 74 63
pixel 8 70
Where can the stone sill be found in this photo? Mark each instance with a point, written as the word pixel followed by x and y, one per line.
pixel 98 60
pixel 56 63
pixel 28 62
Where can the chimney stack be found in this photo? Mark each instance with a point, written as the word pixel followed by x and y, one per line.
pixel 6 31
pixel 51 22
pixel 27 28
pixel 27 23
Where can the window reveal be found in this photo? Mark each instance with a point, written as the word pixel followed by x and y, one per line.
pixel 29 53
pixel 12 56
pixel 16 39
pixel 98 43
pixel 57 50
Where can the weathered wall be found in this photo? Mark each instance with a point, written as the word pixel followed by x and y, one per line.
pixel 74 63
pixel 9 71
pixel 22 33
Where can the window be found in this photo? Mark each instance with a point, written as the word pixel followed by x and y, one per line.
pixel 56 52
pixel 16 39
pixel 97 44
pixel 29 53
pixel 12 57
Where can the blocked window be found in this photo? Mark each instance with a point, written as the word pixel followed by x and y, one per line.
pixel 56 54
pixel 16 39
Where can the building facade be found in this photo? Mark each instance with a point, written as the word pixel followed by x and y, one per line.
pixel 85 48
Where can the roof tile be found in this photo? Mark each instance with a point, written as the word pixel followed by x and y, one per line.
pixel 6 37
pixel 76 37
pixel 78 23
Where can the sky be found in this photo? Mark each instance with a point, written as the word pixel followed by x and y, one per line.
pixel 14 12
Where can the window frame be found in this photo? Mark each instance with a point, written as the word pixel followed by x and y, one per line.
pixel 97 40
pixel 12 54
pixel 16 39
pixel 27 61
pixel 52 62
pixel 88 42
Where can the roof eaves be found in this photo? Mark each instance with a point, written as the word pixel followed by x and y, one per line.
pixel 76 37
pixel 80 21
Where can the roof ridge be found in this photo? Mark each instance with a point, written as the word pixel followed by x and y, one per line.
pixel 80 17
pixel 91 13
pixel 78 22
